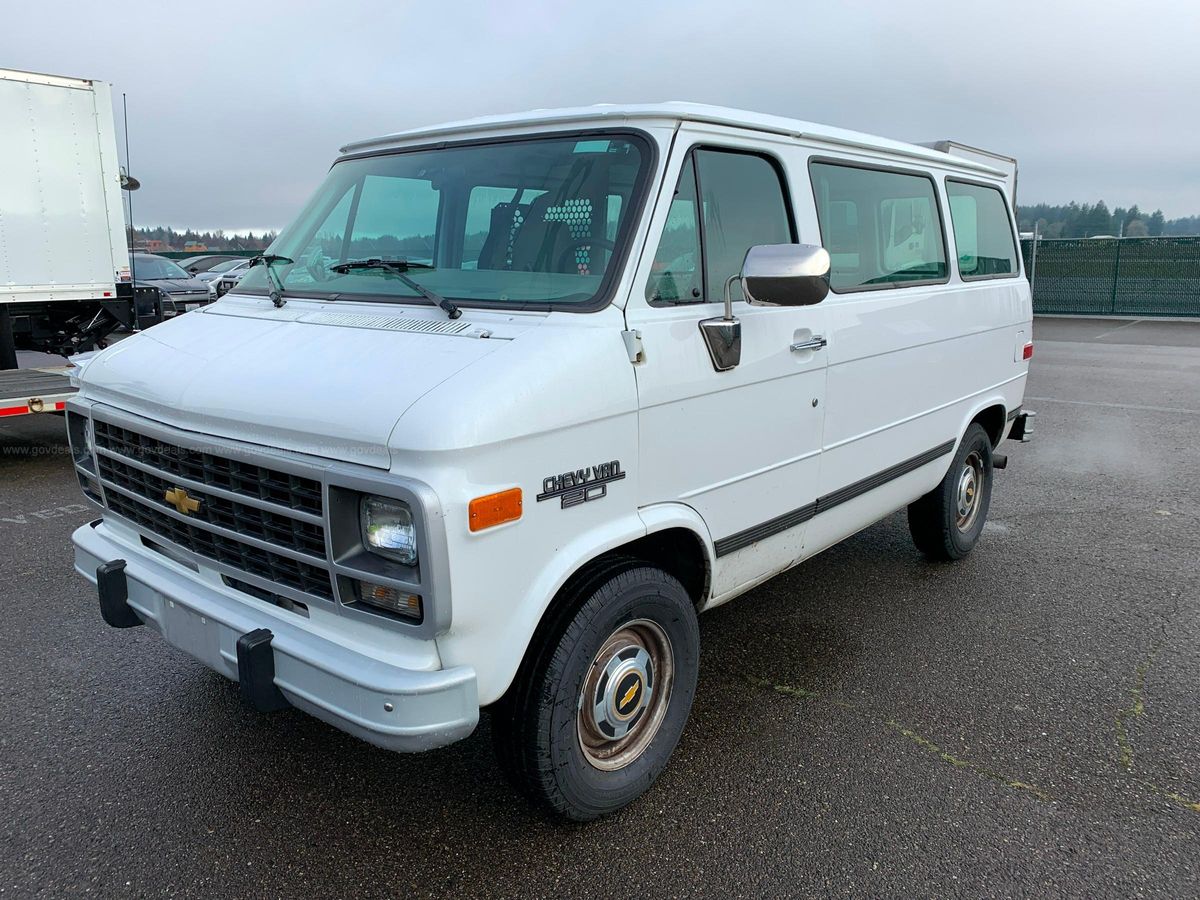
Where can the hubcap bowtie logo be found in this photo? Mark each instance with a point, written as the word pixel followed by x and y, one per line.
pixel 184 505
pixel 629 695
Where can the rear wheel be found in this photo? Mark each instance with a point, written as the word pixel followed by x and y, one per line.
pixel 603 695
pixel 946 523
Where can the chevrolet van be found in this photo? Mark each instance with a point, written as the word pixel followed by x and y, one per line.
pixel 513 400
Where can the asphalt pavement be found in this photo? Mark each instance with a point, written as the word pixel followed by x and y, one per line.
pixel 1024 722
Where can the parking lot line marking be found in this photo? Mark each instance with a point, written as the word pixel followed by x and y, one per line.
pixel 1134 406
pixel 1118 328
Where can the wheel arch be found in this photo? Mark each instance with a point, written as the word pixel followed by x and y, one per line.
pixel 992 415
pixel 672 537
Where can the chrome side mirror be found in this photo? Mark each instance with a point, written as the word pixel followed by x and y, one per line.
pixel 772 275
pixel 785 275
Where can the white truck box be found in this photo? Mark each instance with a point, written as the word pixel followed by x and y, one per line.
pixel 64 266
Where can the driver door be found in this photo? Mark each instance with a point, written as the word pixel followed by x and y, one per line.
pixel 742 447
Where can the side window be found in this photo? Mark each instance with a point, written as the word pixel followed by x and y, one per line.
pixel 328 239
pixel 882 229
pixel 675 276
pixel 380 216
pixel 742 204
pixel 982 231
pixel 396 217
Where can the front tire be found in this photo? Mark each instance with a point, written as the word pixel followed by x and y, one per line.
pixel 603 695
pixel 946 523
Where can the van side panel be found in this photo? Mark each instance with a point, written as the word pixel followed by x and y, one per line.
pixel 908 368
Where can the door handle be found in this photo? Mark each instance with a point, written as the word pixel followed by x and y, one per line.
pixel 816 342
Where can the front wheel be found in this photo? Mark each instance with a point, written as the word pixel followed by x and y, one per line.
pixel 946 523
pixel 604 694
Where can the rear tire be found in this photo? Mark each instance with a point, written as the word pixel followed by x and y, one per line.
pixel 603 694
pixel 946 523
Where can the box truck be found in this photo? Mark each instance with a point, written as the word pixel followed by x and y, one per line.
pixel 65 283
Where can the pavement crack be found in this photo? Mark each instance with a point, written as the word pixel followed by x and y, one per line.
pixel 1131 713
pixel 959 763
pixel 904 731
pixel 1134 711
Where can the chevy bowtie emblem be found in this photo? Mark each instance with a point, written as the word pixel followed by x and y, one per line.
pixel 178 498
pixel 629 695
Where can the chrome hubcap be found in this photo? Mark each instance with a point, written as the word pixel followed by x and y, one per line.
pixel 970 484
pixel 625 695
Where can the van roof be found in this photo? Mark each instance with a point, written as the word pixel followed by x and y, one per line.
pixel 678 111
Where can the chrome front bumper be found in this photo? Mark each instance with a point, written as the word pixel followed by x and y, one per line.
pixel 389 706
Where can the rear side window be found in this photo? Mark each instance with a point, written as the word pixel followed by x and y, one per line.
pixel 742 204
pixel 983 232
pixel 881 228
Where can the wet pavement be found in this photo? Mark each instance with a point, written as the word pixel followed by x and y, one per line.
pixel 1022 722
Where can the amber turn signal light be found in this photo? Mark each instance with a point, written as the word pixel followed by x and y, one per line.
pixel 495 509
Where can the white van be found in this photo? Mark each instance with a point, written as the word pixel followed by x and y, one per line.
pixel 514 399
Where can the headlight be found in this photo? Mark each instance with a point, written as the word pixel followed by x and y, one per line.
pixel 388 529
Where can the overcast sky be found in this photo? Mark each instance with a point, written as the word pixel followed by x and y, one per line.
pixel 237 109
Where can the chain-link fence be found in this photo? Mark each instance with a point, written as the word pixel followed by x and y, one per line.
pixel 1115 276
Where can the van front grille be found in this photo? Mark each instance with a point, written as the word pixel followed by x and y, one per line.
pixel 272 566
pixel 276 533
pixel 234 475
pixel 263 524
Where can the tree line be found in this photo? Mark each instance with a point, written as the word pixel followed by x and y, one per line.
pixel 1081 220
pixel 213 240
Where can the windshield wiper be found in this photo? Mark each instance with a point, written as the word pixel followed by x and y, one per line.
pixel 268 260
pixel 399 267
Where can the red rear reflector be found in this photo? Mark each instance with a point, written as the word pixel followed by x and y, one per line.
pixel 1027 353
pixel 13 410
pixel 60 405
pixel 108 293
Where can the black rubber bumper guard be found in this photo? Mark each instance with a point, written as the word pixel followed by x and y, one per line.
pixel 255 656
pixel 256 671
pixel 114 595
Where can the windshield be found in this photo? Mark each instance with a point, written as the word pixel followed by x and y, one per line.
pixel 227 265
pixel 517 223
pixel 156 268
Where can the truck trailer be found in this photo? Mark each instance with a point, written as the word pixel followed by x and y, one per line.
pixel 65 282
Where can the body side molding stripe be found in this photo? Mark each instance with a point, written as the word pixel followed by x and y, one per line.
pixel 796 517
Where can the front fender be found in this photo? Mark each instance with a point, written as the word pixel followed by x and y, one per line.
pixel 496 652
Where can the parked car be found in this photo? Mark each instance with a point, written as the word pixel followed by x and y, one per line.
pixel 635 386
pixel 179 292
pixel 197 264
pixel 229 279
pixel 222 267
pixel 231 267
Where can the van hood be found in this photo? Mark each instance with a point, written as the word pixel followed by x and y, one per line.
pixel 324 379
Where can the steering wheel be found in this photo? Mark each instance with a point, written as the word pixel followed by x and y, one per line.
pixel 568 252
pixel 315 265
